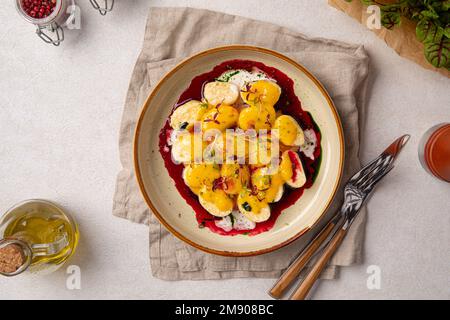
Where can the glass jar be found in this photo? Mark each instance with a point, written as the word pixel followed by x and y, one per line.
pixel 36 235
pixel 50 28
pixel 434 151
pixel 105 8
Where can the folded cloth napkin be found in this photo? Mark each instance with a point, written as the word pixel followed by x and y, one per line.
pixel 175 33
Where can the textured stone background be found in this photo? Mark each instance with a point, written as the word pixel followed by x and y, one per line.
pixel 59 120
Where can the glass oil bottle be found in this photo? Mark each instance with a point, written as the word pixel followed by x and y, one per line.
pixel 36 236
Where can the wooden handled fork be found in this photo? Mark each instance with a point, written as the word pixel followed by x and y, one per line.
pixel 356 191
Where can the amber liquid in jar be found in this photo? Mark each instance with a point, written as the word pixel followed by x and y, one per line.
pixel 434 151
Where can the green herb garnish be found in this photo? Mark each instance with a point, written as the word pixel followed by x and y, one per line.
pixel 246 206
pixel 227 76
pixel 232 219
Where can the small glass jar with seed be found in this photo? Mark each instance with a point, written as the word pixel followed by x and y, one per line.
pixel 36 236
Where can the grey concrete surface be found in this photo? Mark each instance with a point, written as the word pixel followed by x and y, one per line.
pixel 60 110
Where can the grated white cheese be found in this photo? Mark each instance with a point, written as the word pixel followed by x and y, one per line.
pixel 241 222
pixel 242 77
pixel 310 143
pixel 236 220
pixel 225 223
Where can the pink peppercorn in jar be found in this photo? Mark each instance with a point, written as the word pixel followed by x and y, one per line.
pixel 38 9
pixel 49 17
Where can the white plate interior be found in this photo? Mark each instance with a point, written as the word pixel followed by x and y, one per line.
pixel 161 190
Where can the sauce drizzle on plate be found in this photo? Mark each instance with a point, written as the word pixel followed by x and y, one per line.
pixel 288 104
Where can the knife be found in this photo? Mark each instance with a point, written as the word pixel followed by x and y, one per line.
pixel 356 191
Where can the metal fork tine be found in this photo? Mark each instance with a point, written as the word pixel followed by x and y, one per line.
pixel 380 167
pixel 369 188
pixel 358 178
pixel 360 172
pixel 356 191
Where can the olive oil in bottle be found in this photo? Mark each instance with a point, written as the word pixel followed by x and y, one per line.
pixel 37 236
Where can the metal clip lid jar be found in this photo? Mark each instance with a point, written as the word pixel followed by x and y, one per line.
pixel 49 17
pixel 105 8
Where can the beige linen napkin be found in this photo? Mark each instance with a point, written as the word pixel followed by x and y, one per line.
pixel 174 33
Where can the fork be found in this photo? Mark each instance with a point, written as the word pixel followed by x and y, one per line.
pixel 356 191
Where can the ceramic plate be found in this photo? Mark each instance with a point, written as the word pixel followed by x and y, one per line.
pixel 167 204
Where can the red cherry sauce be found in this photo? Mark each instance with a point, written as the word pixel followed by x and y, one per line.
pixel 296 164
pixel 288 104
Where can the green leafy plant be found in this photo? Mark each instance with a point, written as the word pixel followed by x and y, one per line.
pixel 432 29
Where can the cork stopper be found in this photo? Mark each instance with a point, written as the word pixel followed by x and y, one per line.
pixel 11 258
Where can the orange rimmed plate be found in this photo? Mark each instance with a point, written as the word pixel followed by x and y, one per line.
pixel 159 190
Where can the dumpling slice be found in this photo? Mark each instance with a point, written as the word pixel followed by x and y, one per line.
pixel 218 92
pixel 291 169
pixel 183 146
pixel 261 92
pixel 198 175
pixel 269 186
pixel 289 131
pixel 184 116
pixel 221 118
pixel 234 177
pixel 216 201
pixel 252 208
pixel 257 117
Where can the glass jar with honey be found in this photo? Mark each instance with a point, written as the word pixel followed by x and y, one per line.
pixel 434 151
pixel 36 236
